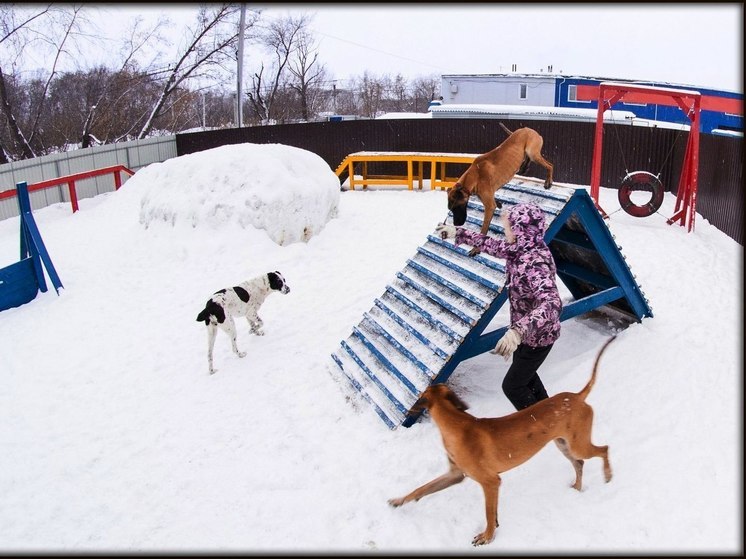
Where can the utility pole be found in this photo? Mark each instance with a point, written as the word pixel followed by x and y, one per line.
pixel 239 88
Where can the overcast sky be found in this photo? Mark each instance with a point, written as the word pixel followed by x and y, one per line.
pixel 690 44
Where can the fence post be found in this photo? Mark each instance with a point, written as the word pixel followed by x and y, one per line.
pixel 73 195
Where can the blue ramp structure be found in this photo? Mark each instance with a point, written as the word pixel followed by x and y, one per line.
pixel 22 281
pixel 434 313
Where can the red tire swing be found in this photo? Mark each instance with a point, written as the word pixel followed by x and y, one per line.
pixel 641 181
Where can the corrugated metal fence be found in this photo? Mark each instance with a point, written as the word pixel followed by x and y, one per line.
pixel 133 155
pixel 568 145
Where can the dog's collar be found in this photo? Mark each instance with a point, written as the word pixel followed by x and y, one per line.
pixel 460 186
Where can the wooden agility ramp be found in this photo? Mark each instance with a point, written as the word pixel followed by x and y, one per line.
pixel 433 315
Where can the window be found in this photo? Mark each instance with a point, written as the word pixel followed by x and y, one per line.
pixel 524 92
pixel 572 92
pixel 572 95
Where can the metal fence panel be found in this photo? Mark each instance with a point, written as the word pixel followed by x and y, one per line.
pixel 134 155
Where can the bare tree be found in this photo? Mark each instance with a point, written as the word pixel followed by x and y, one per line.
pixel 137 37
pixel 400 94
pixel 14 130
pixel 308 74
pixel 371 90
pixel 425 89
pixel 281 38
pixel 49 28
pixel 210 43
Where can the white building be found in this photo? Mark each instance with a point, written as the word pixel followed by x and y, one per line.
pixel 536 90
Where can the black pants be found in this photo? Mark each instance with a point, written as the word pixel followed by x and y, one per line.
pixel 522 384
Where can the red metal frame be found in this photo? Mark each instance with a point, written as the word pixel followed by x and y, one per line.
pixel 690 102
pixel 70 181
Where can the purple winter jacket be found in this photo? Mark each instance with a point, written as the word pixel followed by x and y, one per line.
pixel 535 303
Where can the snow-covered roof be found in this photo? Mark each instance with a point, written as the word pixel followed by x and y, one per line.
pixel 547 113
pixel 403 115
pixel 533 111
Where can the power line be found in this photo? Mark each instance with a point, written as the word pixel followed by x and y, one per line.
pixel 383 51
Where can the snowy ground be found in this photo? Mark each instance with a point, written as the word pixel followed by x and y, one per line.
pixel 114 438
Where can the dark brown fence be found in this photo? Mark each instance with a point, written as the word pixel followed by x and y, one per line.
pixel 568 145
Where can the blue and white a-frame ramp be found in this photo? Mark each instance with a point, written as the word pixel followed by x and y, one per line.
pixel 432 316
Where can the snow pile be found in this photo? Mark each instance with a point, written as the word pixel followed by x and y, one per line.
pixel 289 192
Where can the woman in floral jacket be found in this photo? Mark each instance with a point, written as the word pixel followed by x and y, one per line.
pixel 535 303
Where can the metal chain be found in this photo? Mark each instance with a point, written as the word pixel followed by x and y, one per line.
pixel 671 150
pixel 619 142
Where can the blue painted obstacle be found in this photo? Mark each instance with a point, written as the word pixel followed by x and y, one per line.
pixel 22 281
pixel 432 316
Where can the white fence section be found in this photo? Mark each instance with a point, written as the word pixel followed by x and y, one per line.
pixel 134 155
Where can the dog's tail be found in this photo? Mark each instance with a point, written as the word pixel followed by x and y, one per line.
pixel 584 393
pixel 212 311
pixel 508 130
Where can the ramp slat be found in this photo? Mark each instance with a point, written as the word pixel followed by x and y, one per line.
pixel 442 281
pixel 384 361
pixel 465 253
pixel 439 300
pixel 404 324
pixel 540 192
pixel 410 365
pixel 463 271
pixel 380 330
pixel 386 419
pixel 373 377
pixel 418 309
pixel 390 401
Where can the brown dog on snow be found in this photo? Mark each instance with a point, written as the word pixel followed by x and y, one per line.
pixel 490 171
pixel 483 448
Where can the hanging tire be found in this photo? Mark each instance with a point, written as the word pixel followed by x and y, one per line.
pixel 645 182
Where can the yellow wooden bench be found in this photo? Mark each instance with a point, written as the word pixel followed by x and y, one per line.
pixel 414 161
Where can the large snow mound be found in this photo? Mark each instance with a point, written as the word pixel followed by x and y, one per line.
pixel 289 192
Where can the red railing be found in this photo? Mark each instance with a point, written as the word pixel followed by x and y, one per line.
pixel 70 181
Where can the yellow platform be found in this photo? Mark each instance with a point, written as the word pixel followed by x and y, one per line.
pixel 414 162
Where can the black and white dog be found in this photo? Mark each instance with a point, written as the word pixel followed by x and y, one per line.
pixel 241 300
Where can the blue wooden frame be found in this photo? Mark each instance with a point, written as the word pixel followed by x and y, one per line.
pixel 22 281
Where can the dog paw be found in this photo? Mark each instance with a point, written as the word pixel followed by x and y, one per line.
pixel 213 371
pixel 242 354
pixel 482 539
pixel 396 502
pixel 473 252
